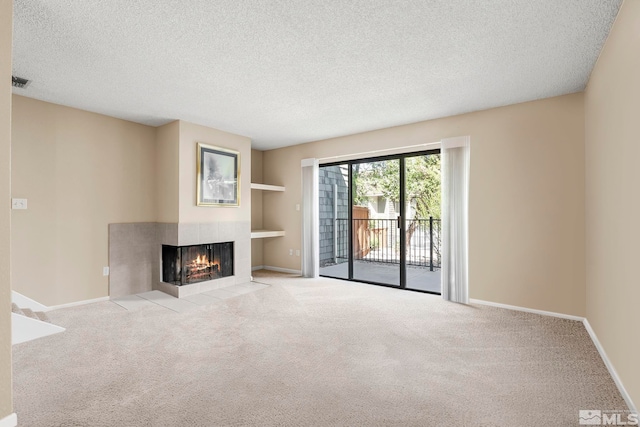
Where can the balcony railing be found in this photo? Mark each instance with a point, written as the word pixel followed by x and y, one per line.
pixel 378 240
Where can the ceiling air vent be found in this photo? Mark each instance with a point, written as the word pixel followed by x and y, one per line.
pixel 19 82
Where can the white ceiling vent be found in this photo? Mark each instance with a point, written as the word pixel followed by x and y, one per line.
pixel 19 82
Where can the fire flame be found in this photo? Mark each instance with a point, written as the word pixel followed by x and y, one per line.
pixel 202 262
pixel 201 268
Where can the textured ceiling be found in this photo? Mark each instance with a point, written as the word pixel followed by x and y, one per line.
pixel 284 71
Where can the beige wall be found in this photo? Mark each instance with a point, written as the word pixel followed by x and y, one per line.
pixel 79 171
pixel 256 208
pixel 612 106
pixel 190 135
pixel 6 26
pixel 167 171
pixel 526 198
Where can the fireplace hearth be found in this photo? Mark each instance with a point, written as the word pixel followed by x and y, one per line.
pixel 184 265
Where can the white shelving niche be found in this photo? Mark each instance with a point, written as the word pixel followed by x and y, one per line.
pixel 262 234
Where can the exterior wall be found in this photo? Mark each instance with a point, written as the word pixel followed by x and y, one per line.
pixel 612 103
pixel 6 26
pixel 526 197
pixel 80 172
pixel 330 177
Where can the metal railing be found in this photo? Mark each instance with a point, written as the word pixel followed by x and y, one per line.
pixel 378 240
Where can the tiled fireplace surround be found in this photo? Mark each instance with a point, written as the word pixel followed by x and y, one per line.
pixel 135 253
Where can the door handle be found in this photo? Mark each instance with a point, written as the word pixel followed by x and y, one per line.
pixel 399 222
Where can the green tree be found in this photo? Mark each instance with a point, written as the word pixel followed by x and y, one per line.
pixel 422 185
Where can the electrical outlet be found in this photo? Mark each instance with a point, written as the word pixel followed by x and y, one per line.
pixel 297 252
pixel 290 252
pixel 18 203
pixel 105 271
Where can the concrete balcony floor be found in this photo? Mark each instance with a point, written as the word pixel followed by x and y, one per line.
pixel 418 278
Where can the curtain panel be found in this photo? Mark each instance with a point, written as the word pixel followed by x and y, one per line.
pixel 455 159
pixel 310 219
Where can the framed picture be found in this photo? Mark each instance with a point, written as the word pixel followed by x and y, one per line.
pixel 218 181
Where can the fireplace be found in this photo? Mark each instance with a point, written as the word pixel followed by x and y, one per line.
pixel 184 265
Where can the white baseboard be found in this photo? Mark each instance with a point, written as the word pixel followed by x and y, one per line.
pixel 26 302
pixel 610 367
pixel 592 334
pixel 257 267
pixel 281 270
pixel 9 421
pixel 527 310
pixel 76 303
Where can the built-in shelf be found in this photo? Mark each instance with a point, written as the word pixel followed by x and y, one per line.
pixel 256 186
pixel 261 234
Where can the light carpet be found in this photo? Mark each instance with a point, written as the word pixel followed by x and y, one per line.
pixel 310 352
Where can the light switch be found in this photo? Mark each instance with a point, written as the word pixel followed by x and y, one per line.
pixel 18 203
pixel 105 271
pixel 297 207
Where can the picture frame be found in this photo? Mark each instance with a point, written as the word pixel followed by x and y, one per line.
pixel 218 176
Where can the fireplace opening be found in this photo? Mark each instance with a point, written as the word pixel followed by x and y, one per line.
pixel 184 265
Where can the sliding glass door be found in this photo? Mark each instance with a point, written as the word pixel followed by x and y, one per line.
pixel 379 218
pixel 422 222
pixel 375 221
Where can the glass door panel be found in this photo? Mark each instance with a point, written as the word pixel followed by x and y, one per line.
pixel 375 232
pixel 334 220
pixel 422 222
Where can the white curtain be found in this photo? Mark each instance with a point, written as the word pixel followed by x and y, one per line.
pixel 310 219
pixel 455 218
